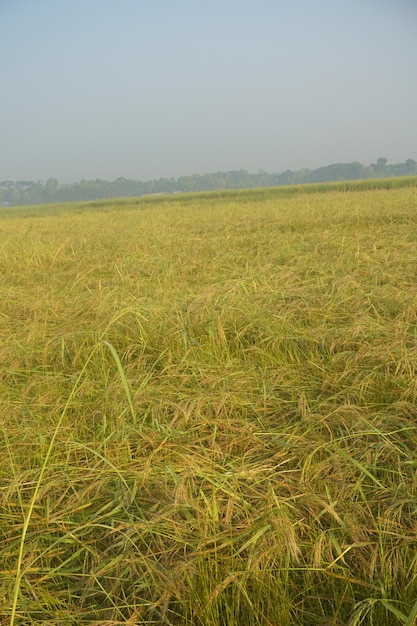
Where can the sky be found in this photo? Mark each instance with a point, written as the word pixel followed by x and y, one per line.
pixel 163 88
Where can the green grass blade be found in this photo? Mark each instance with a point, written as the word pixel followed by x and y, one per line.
pixel 122 376
pixel 361 467
pixel 411 619
pixel 18 578
pixel 403 618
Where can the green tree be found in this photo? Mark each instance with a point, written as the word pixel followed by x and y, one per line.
pixel 380 167
pixel 51 188
pixel 410 167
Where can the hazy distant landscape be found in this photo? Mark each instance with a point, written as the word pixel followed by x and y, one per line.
pixel 208 409
pixel 23 192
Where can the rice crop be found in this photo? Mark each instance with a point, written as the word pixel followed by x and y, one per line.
pixel 208 410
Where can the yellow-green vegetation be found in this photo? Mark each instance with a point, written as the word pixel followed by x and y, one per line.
pixel 208 411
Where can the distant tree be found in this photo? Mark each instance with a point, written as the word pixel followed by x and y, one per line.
pixel 380 167
pixel 410 167
pixel 51 188
pixel 87 190
pixel 24 184
pixel 30 192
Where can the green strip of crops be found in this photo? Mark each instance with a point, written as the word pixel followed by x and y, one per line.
pixel 208 410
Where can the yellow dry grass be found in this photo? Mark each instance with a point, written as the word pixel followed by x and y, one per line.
pixel 208 411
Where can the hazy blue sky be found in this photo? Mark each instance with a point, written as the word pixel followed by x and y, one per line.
pixel 150 88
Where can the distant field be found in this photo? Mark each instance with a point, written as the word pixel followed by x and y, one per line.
pixel 190 199
pixel 208 410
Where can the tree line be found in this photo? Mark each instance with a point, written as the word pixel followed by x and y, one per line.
pixel 23 192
